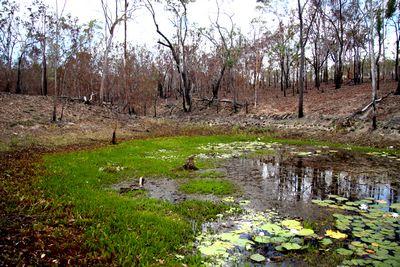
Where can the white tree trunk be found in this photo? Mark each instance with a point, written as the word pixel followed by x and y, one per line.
pixel 372 59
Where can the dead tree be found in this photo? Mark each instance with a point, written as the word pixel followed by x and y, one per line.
pixel 178 48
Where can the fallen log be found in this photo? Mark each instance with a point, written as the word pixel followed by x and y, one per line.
pixel 364 109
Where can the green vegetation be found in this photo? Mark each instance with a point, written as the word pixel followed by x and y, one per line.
pixel 208 186
pixel 132 228
pixel 135 230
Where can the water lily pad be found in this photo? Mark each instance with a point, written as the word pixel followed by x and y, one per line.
pixel 349 203
pixel 335 234
pixel 305 232
pixel 271 228
pixel 218 248
pixel 344 252
pixel 262 239
pixel 292 224
pixel 395 206
pixel 257 257
pixel 291 246
pixel 326 242
pixel 357 244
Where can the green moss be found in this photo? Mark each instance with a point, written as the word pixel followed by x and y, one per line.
pixel 208 186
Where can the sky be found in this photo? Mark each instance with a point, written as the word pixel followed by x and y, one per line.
pixel 142 31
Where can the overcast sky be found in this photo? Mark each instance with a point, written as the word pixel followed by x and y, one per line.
pixel 142 30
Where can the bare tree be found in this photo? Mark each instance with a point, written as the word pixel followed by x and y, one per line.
pixel 304 33
pixel 371 22
pixel 112 19
pixel 178 47
pixel 57 58
pixel 9 21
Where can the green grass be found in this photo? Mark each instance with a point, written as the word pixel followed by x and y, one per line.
pixel 132 229
pixel 208 186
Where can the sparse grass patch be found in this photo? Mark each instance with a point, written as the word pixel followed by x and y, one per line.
pixel 216 187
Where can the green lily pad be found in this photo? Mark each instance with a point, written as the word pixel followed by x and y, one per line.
pixel 257 257
pixel 292 224
pixel 326 242
pixel 262 239
pixel 305 232
pixel 291 246
pixel 395 206
pixel 271 228
pixel 357 244
pixel 349 203
pixel 218 248
pixel 344 252
pixel 335 235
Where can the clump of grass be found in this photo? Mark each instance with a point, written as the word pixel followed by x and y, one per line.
pixel 200 211
pixel 208 186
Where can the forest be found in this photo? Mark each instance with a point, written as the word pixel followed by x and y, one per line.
pixel 199 133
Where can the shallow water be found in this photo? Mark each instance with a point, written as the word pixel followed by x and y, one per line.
pixel 286 181
pixel 289 184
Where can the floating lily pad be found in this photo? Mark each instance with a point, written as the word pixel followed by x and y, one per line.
pixel 357 244
pixel 292 224
pixel 305 232
pixel 291 246
pixel 262 239
pixel 344 252
pixel 335 234
pixel 326 242
pixel 257 258
pixel 395 206
pixel 218 248
pixel 271 228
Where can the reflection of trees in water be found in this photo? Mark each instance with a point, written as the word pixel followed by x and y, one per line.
pixel 299 182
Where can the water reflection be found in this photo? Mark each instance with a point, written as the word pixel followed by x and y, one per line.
pixel 280 183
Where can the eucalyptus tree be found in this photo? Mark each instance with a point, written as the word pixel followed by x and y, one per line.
pixel 113 16
pixel 318 42
pixel 393 13
pixel 26 40
pixel 225 40
pixel 9 23
pixel 176 44
pixel 305 28
pixel 372 22
pixel 335 13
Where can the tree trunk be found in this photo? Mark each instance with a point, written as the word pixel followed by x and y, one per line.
pixel 326 72
pixel 18 89
pixel 44 68
pixel 373 66
pixel 302 63
pixel 216 86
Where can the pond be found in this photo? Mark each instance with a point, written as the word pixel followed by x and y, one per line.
pixel 293 203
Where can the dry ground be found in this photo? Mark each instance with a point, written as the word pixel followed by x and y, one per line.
pixel 26 120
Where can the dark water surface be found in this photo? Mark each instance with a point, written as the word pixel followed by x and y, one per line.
pixel 288 184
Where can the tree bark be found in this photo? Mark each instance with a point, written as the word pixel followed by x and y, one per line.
pixel 302 62
pixel 373 66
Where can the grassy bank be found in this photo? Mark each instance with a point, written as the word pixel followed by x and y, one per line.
pixel 133 229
